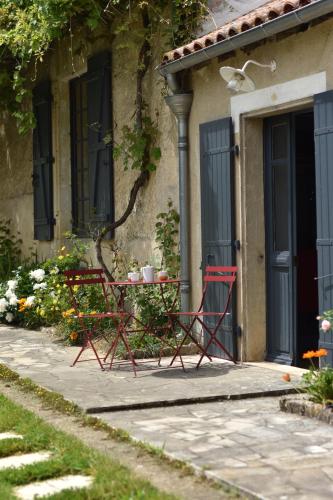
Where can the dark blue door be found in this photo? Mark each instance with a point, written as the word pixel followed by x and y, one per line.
pixel 279 200
pixel 217 217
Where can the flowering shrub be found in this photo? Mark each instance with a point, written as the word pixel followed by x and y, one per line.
pixel 318 383
pixel 37 296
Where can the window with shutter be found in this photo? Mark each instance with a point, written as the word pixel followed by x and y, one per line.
pixel 42 163
pixel 92 166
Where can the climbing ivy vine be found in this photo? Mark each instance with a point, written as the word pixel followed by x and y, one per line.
pixel 28 30
pixel 29 27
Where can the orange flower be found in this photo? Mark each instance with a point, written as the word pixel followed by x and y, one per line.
pixel 67 313
pixel 73 336
pixel 320 353
pixel 22 304
pixel 315 354
pixel 309 355
pixel 286 377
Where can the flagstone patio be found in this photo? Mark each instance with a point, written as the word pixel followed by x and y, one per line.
pixel 47 362
pixel 216 421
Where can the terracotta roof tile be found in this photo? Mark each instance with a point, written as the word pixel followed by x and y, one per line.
pixel 271 10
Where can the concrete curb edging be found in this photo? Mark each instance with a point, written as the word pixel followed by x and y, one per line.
pixel 188 401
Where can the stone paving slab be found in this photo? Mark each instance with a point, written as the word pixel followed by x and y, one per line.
pixel 249 443
pixel 17 461
pixel 52 486
pixel 47 362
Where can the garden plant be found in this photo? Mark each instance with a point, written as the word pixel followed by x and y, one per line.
pixel 36 295
pixel 318 381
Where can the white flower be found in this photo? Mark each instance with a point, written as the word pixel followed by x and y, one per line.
pixel 3 305
pixel 13 300
pixel 30 300
pixel 9 294
pixel 40 286
pixel 37 274
pixel 12 284
pixel 9 317
pixel 55 270
pixel 52 294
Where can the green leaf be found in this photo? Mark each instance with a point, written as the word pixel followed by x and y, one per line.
pixel 156 153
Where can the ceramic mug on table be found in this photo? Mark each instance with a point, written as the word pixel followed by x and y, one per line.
pixel 163 275
pixel 147 273
pixel 134 276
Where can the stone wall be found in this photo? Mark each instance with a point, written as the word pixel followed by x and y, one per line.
pixel 16 194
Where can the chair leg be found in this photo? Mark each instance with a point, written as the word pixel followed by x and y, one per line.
pixel 79 355
pixel 124 339
pixel 97 357
pixel 88 344
pixel 110 349
pixel 214 339
pixel 115 344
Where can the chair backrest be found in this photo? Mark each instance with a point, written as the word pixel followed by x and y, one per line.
pixel 83 277
pixel 76 277
pixel 219 274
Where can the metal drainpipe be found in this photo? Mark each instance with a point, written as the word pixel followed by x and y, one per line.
pixel 180 105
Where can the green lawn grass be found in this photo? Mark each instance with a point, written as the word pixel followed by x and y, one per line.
pixel 69 456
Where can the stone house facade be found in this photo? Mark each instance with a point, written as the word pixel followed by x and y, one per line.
pixel 253 169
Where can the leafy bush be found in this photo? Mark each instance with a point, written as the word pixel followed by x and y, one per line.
pixel 166 231
pixel 36 295
pixel 10 250
pixel 318 383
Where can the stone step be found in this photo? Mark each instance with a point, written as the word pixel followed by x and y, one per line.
pixel 10 435
pixel 52 486
pixel 16 461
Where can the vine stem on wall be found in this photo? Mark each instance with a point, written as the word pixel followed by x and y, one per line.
pixel 144 59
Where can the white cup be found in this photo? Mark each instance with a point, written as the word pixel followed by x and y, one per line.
pixel 133 276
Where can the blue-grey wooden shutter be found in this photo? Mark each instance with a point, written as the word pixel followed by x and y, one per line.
pixel 323 111
pixel 42 163
pixel 100 140
pixel 217 217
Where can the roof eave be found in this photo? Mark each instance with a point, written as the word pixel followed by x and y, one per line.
pixel 282 23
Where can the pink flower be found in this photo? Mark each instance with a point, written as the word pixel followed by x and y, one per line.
pixel 326 325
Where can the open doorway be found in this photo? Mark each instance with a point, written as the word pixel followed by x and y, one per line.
pixel 290 214
pixel 306 234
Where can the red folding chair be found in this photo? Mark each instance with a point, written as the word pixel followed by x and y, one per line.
pixel 89 322
pixel 225 275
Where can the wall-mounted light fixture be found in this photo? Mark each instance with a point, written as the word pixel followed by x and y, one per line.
pixel 238 80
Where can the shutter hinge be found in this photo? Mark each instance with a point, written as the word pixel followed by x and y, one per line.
pixel 235 149
pixel 238 331
pixel 53 221
pixel 237 244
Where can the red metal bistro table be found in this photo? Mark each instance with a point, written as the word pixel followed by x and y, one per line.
pixel 119 291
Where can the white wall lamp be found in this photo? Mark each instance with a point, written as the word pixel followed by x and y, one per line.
pixel 238 80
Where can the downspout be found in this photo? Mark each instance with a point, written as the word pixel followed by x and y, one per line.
pixel 180 104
